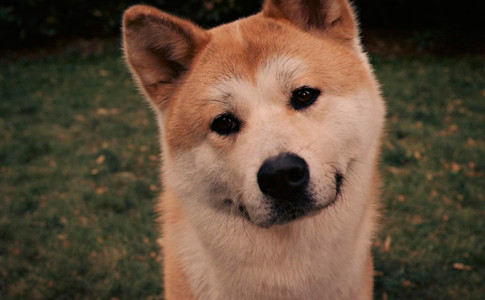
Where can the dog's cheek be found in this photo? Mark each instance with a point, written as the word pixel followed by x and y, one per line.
pixel 186 125
pixel 196 173
pixel 342 127
pixel 364 124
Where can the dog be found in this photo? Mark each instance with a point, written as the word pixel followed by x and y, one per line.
pixel 270 129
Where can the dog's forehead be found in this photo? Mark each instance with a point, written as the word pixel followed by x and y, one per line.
pixel 241 48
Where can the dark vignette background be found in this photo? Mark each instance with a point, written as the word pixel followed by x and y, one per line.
pixel 440 26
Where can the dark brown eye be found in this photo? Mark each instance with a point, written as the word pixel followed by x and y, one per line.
pixel 303 97
pixel 225 124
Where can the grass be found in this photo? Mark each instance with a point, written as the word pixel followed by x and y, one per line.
pixel 79 174
pixel 433 165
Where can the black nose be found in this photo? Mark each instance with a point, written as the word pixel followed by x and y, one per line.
pixel 284 176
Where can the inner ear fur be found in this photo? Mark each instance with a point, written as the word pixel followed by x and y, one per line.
pixel 159 49
pixel 333 18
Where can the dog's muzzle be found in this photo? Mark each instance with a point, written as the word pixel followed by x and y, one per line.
pixel 284 180
pixel 283 177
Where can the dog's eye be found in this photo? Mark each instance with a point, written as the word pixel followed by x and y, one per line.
pixel 225 124
pixel 303 97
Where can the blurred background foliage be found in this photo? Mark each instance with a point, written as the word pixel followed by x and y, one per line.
pixel 28 22
pixel 24 23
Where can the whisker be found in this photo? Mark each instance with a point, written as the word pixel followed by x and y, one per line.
pixel 239 217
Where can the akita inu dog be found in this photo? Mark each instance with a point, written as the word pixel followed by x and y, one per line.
pixel 270 131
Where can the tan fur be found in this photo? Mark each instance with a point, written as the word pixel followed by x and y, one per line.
pixel 175 281
pixel 249 68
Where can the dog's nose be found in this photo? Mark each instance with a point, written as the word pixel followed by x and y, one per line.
pixel 284 176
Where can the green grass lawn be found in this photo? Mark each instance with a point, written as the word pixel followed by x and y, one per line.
pixel 79 175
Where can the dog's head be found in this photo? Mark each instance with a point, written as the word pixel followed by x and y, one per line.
pixel 265 115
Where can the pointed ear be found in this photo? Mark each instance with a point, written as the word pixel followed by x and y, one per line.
pixel 334 18
pixel 159 49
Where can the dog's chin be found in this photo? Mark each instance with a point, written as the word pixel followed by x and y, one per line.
pixel 291 214
pixel 279 216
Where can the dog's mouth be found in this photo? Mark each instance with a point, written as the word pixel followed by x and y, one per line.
pixel 244 212
pixel 339 180
pixel 241 209
pixel 283 212
pixel 286 212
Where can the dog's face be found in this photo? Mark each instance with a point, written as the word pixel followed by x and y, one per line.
pixel 261 117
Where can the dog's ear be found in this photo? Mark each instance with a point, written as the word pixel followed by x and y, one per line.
pixel 334 18
pixel 159 49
